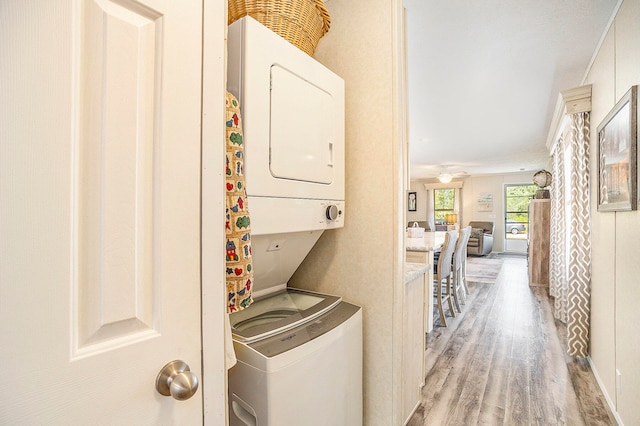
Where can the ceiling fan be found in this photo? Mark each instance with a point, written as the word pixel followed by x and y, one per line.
pixel 446 176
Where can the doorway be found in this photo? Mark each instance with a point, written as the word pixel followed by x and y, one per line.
pixel 516 216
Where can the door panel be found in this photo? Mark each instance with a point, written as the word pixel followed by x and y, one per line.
pixel 100 209
pixel 117 187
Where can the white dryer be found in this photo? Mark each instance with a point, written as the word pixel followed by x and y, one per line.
pixel 293 126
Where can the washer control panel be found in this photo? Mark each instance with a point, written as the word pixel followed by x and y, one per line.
pixel 333 214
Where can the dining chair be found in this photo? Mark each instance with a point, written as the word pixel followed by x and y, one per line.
pixel 458 283
pixel 463 271
pixel 443 274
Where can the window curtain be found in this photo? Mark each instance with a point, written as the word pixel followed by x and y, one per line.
pixel 457 202
pixel 557 250
pixel 430 211
pixel 429 187
pixel 570 266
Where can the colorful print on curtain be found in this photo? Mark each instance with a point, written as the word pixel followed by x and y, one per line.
pixel 239 267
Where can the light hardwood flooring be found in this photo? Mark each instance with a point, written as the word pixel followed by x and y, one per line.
pixel 502 362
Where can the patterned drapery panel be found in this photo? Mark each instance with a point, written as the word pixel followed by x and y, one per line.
pixel 570 266
pixel 239 265
pixel 557 266
pixel 431 210
pixel 579 270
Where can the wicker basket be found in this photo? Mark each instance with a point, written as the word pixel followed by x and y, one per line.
pixel 415 231
pixel 301 22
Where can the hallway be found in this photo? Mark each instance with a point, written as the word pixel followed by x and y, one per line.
pixel 501 362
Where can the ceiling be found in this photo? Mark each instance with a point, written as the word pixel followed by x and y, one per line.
pixel 484 79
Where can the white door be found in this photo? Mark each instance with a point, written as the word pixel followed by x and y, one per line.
pixel 100 112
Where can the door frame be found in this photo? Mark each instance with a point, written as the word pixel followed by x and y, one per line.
pixel 516 245
pixel 214 373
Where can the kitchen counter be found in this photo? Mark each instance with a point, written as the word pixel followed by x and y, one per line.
pixel 413 332
pixel 420 251
pixel 414 270
pixel 430 242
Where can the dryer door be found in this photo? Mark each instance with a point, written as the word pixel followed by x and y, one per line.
pixel 303 129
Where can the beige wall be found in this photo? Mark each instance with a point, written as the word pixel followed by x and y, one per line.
pixel 359 261
pixel 602 338
pixel 615 318
pixel 472 188
pixel 421 207
pixel 490 184
pixel 362 262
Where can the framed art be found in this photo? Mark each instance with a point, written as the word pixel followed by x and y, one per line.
pixel 412 201
pixel 617 147
pixel 485 202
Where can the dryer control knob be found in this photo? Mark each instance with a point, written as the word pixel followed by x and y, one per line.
pixel 332 212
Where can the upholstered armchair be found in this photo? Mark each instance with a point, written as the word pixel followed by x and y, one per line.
pixel 481 239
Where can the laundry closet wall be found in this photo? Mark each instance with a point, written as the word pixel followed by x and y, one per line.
pixel 363 262
pixel 615 236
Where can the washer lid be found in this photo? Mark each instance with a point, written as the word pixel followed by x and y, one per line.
pixel 278 312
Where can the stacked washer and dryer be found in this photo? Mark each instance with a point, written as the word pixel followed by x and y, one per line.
pixel 299 352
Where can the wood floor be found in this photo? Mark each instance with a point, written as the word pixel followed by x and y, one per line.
pixel 502 362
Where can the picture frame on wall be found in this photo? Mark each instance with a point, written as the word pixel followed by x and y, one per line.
pixel 485 202
pixel 617 148
pixel 412 201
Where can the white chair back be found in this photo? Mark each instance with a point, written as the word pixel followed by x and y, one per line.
pixel 446 254
pixel 461 247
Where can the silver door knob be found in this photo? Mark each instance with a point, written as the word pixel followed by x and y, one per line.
pixel 176 380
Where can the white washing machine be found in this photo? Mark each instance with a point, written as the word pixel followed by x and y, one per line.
pixel 299 362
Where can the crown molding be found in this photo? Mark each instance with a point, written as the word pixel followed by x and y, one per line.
pixel 577 99
pixel 455 184
pixel 570 101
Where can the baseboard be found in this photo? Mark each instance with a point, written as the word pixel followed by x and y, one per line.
pixel 501 254
pixel 514 253
pixel 610 403
pixel 412 411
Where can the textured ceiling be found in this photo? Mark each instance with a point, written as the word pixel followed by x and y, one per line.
pixel 484 78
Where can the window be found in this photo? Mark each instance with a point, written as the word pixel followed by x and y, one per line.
pixel 517 210
pixel 443 203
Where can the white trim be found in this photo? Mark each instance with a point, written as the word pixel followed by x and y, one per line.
pixel 577 99
pixel 557 119
pixel 612 18
pixel 214 373
pixel 455 184
pixel 570 101
pixel 610 403
pixel 399 105
pixel 557 123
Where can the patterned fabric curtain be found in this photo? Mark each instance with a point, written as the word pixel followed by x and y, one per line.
pixel 430 210
pixel 558 261
pixel 579 291
pixel 570 268
pixel 457 203
pixel 239 268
